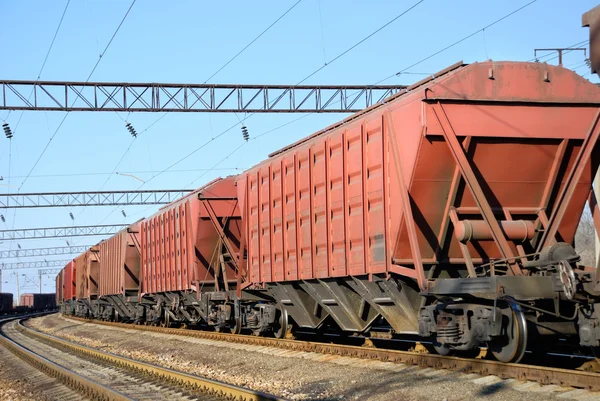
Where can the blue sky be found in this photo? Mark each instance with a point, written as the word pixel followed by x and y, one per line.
pixel 186 42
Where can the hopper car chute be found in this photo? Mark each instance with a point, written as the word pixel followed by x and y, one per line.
pixel 447 210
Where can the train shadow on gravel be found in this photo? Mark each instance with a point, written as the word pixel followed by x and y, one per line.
pixel 394 386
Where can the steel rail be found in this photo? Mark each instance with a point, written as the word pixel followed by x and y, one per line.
pixel 69 378
pixel 540 374
pixel 181 379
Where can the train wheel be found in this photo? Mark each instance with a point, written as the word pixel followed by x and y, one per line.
pixel 281 328
pixel 512 346
pixel 166 322
pixel 237 327
pixel 441 349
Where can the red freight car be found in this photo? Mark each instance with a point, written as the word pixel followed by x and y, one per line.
pixel 69 287
pixel 120 274
pixel 443 189
pixel 26 300
pixel 86 283
pixel 59 288
pixel 447 210
pixel 189 247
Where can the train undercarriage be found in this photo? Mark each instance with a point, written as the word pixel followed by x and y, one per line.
pixel 507 314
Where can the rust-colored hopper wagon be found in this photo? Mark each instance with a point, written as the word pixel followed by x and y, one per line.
pixel 87 277
pixel 69 285
pixel 120 275
pixel 449 210
pixel 59 288
pixel 189 256
pixel 26 300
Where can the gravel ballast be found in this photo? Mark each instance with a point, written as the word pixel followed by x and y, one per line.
pixel 295 375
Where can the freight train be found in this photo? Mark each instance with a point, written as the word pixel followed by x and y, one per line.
pixel 448 210
pixel 28 303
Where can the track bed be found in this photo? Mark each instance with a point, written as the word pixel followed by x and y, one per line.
pixel 306 375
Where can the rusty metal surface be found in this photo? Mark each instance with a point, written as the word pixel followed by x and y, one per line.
pixel 119 259
pixel 333 204
pixel 26 300
pixel 59 287
pixel 69 281
pixel 87 274
pixel 540 374
pixel 591 19
pixel 179 244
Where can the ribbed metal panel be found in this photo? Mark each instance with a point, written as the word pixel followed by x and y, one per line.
pixel 69 284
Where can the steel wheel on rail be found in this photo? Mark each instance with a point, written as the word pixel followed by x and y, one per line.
pixel 236 328
pixel 440 349
pixel 166 321
pixel 281 327
pixel 511 347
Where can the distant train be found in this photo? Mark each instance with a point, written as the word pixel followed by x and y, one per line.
pixel 448 210
pixel 28 303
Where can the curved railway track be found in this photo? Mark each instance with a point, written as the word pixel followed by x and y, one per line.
pixel 100 375
pixel 584 379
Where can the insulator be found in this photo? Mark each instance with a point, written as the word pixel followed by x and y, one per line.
pixel 2 218
pixel 131 130
pixel 71 216
pixel 19 246
pixel 245 133
pixel 7 130
pixel 123 211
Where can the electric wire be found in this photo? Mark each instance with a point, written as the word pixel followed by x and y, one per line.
pixel 86 81
pixel 362 40
pixel 253 40
pixel 458 41
pixel 45 60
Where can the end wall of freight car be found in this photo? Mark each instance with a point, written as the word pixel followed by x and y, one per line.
pixel 193 244
pixel 6 302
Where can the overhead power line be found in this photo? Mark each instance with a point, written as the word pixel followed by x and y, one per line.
pixel 458 41
pixel 46 57
pixel 98 198
pixel 362 40
pixel 51 251
pixel 121 173
pixel 60 232
pixel 253 40
pixel 87 80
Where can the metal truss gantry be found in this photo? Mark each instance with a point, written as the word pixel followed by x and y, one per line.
pixel 100 198
pixel 162 97
pixel 58 250
pixel 34 265
pixel 57 232
pixel 49 271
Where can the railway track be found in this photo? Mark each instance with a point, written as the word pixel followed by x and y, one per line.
pixel 100 375
pixel 584 379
